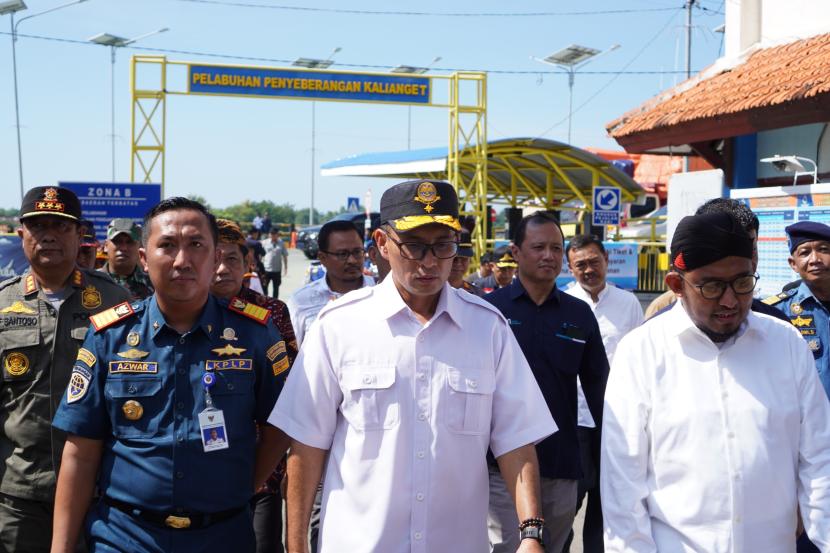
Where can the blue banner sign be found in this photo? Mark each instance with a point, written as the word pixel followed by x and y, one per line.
pixel 101 202
pixel 317 85
pixel 12 260
pixel 622 266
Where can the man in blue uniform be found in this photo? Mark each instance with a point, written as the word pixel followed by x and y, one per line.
pixel 152 382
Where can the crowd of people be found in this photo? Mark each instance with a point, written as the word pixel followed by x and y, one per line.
pixel 159 400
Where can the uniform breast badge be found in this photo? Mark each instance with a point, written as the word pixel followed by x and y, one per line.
pixel 229 334
pixel 16 364
pixel 427 195
pixel 133 339
pixel 228 350
pixel 796 308
pixel 132 410
pixel 91 297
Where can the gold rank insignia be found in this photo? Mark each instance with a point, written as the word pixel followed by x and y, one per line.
pixel 16 363
pixel 796 308
pixel 229 334
pixel 18 307
pixel 228 350
pixel 91 297
pixel 802 321
pixel 111 316
pixel 280 366
pixel 77 278
pixel 255 312
pixel 427 195
pixel 87 357
pixel 29 284
pixel 133 339
pixel 133 353
pixel 132 410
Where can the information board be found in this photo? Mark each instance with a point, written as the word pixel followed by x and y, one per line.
pixel 622 266
pixel 776 208
pixel 12 260
pixel 101 202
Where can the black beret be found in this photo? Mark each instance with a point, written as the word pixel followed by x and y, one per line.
pixel 50 200
pixel 414 203
pixel 806 231
pixel 703 239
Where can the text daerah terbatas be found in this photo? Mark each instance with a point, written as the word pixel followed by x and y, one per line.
pixel 290 83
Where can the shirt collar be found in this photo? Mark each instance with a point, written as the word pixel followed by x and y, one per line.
pixel 391 303
pixel 210 315
pixel 516 290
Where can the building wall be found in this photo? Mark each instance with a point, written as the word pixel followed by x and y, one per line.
pixel 769 22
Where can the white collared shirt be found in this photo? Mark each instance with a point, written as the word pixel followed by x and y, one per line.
pixel 306 303
pixel 408 412
pixel 618 312
pixel 710 450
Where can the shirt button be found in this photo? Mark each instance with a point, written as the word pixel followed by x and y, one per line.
pixel 367 379
pixel 179 438
pixel 731 435
pixel 180 405
pixel 180 475
pixel 472 383
pixel 422 416
pixel 181 340
pixel 421 376
pixel 419 496
pixel 181 370
pixel 421 455
pixel 417 535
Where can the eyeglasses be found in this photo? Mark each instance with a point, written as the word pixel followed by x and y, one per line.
pixel 714 289
pixel 416 251
pixel 344 255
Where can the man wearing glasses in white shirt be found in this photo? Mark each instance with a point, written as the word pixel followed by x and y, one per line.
pixel 716 427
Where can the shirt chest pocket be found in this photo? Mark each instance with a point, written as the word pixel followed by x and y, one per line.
pixel 565 354
pixel 19 355
pixel 468 400
pixel 135 405
pixel 370 397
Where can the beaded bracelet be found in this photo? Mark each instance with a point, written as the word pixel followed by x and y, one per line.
pixel 537 522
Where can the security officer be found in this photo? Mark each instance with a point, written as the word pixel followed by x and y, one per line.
pixel 807 305
pixel 123 242
pixel 461 263
pixel 43 319
pixel 153 381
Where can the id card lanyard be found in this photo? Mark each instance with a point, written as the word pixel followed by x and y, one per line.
pixel 212 420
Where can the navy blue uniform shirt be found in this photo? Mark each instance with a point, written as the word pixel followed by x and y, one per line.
pixel 153 457
pixel 560 340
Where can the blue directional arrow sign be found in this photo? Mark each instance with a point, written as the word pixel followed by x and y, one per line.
pixel 606 205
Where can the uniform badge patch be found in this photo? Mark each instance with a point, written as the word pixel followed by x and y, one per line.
pixel 133 353
pixel 228 350
pixel 91 297
pixel 78 386
pixel 255 312
pixel 796 308
pixel 87 357
pixel 108 317
pixel 146 367
pixel 20 308
pixel 814 344
pixel 802 321
pixel 229 364
pixel 132 410
pixel 275 350
pixel 16 363
pixel 229 334
pixel 427 195
pixel 280 366
pixel 133 339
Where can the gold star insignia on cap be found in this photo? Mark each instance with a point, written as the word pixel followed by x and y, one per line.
pixel 427 195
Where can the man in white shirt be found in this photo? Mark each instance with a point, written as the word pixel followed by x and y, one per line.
pixel 617 312
pixel 341 253
pixel 716 427
pixel 274 261
pixel 400 399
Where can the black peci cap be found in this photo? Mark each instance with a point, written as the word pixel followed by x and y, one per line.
pixel 806 231
pixel 415 203
pixel 50 200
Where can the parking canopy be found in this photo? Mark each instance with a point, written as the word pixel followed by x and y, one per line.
pixel 520 171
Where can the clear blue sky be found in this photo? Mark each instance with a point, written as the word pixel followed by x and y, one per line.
pixel 229 149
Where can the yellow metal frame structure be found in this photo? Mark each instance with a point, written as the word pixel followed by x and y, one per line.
pixel 467 105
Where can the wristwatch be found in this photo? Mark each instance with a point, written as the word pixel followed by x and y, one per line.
pixel 531 532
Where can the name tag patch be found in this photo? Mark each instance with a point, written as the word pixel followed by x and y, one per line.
pixel 17 321
pixel 147 367
pixel 229 364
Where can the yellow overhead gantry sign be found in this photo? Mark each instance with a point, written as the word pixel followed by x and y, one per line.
pixel 465 96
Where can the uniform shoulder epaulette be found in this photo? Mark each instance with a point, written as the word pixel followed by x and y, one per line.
pixel 481 302
pixel 110 316
pixel 9 281
pixel 778 298
pixel 250 310
pixel 347 299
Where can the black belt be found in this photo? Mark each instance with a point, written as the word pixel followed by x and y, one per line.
pixel 179 521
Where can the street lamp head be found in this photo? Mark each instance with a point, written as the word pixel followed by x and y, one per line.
pixel 312 63
pixel 789 164
pixel 11 6
pixel 106 39
pixel 572 55
pixel 410 69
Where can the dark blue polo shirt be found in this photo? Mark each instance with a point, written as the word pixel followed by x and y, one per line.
pixel 560 340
